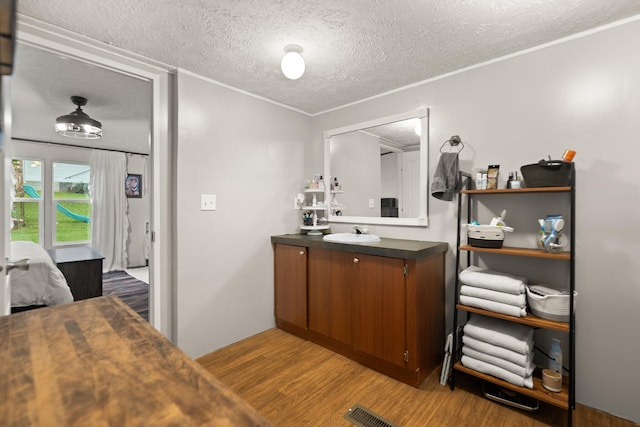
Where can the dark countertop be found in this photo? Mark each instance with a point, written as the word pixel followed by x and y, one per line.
pixel 73 254
pixel 96 363
pixel 392 248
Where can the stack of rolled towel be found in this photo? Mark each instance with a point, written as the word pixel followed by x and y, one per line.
pixel 494 291
pixel 499 348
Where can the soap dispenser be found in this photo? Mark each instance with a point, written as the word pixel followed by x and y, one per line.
pixel 555 356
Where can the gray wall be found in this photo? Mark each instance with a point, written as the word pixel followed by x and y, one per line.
pixel 249 153
pixel 582 94
pixel 389 183
pixel 352 156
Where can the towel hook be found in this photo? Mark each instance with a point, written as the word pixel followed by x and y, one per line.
pixel 454 141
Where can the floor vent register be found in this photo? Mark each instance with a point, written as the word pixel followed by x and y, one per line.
pixel 363 417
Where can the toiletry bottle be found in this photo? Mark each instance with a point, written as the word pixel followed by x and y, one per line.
pixel 516 181
pixel 555 356
pixel 485 181
pixel 479 181
pixel 568 156
pixel 321 183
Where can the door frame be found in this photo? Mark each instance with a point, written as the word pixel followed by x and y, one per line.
pixel 161 266
pixel 5 164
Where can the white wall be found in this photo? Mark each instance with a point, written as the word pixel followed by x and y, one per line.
pixel 249 153
pixel 582 94
pixel 352 155
pixel 389 173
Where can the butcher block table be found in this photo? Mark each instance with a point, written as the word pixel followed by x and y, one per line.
pixel 97 363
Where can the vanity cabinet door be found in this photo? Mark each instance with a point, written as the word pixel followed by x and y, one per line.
pixel 291 284
pixel 330 293
pixel 378 307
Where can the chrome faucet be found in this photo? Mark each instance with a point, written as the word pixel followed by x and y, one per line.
pixel 357 229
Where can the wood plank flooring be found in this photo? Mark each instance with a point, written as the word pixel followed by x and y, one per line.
pixel 133 292
pixel 293 382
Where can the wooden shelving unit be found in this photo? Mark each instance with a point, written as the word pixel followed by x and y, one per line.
pixel 564 399
pixel 529 319
pixel 561 399
pixel 519 190
pixel 534 253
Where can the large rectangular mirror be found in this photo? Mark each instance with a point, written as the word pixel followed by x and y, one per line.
pixel 376 171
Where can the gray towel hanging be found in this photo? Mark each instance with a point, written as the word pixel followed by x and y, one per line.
pixel 445 178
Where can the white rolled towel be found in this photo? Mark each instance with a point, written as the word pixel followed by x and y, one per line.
pixel 494 280
pixel 519 300
pixel 497 351
pixel 524 371
pixel 503 374
pixel 513 336
pixel 498 307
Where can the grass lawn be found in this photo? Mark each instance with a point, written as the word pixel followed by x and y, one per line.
pixel 67 229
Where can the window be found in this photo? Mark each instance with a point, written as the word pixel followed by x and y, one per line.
pixel 26 211
pixel 72 203
pixel 54 211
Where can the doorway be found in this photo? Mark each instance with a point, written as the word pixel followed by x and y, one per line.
pixel 94 54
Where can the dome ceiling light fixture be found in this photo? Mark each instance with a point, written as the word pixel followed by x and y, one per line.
pixel 292 62
pixel 78 124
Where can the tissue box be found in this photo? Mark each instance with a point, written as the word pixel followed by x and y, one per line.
pixel 485 236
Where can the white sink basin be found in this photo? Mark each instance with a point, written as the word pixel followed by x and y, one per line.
pixel 351 238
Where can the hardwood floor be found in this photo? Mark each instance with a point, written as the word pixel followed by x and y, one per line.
pixel 293 382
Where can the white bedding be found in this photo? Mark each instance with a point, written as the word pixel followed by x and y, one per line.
pixel 42 284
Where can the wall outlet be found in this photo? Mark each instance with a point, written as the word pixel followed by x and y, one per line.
pixel 207 202
pixel 372 203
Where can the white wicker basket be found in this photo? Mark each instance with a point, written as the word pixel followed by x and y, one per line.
pixel 552 306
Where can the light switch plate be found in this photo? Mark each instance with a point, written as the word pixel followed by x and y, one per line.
pixel 372 203
pixel 207 202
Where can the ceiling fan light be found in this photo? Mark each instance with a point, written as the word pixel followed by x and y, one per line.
pixel 292 64
pixel 78 124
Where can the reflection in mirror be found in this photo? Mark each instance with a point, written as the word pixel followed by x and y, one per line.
pixel 375 170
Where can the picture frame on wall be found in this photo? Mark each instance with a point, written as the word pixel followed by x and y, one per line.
pixel 133 186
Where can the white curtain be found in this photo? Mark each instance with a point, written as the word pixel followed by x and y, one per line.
pixel 109 225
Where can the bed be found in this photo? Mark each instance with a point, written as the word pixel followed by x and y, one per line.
pixel 43 284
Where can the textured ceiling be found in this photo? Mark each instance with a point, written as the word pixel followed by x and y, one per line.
pixel 43 83
pixel 353 49
pixel 397 136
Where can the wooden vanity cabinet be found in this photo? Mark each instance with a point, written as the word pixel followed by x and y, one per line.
pixel 291 285
pixel 358 300
pixel 378 305
pixel 384 311
pixel 330 294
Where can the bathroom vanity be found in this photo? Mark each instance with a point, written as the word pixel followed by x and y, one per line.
pixel 380 304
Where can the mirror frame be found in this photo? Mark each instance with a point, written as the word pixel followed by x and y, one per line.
pixel 422 220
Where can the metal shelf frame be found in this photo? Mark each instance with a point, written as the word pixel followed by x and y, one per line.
pixel 468 193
